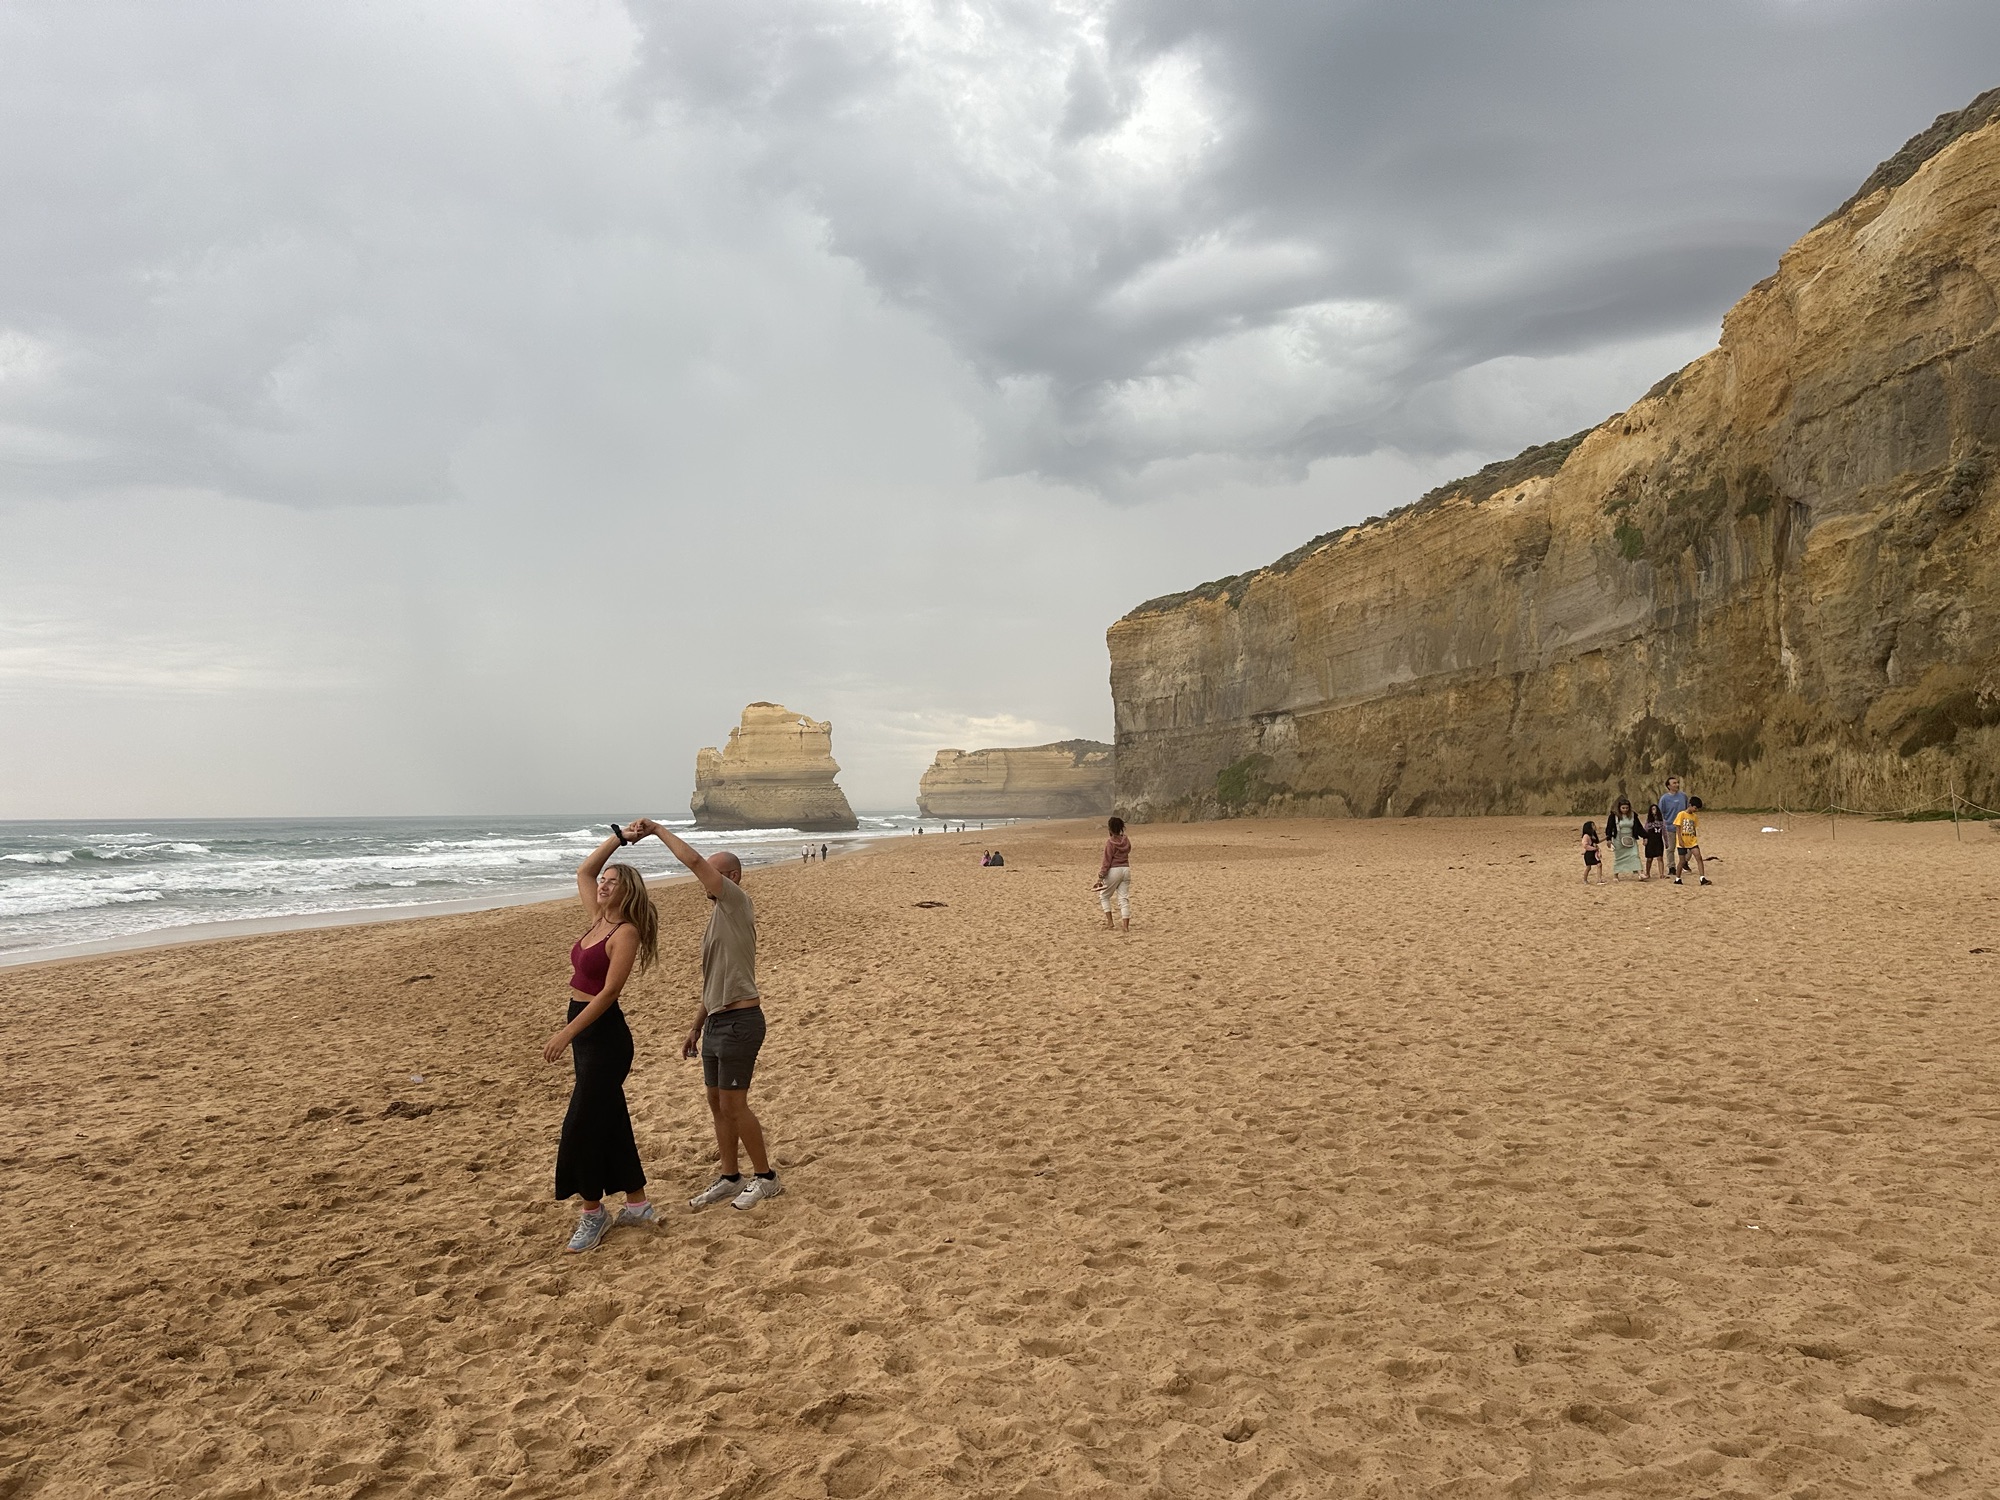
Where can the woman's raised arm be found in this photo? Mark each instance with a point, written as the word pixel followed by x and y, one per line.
pixel 590 869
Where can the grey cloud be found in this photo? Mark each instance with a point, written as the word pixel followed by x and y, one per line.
pixel 1111 209
pixel 313 254
pixel 305 253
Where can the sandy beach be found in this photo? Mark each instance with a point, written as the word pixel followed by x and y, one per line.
pixel 1379 1159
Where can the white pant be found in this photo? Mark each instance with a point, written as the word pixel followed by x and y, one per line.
pixel 1118 878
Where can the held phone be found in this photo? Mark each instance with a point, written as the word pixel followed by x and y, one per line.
pixel 617 833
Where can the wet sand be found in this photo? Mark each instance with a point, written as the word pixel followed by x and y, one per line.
pixel 1379 1159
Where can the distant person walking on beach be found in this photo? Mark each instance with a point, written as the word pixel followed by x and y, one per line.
pixel 728 1027
pixel 1687 825
pixel 1114 875
pixel 1623 829
pixel 1672 802
pixel 1655 828
pixel 598 1154
pixel 1590 843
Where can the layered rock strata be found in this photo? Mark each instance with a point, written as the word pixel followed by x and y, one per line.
pixel 777 771
pixel 1778 573
pixel 1069 779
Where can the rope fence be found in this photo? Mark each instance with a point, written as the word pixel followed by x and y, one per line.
pixel 1959 807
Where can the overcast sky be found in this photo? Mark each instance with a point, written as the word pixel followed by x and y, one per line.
pixel 467 406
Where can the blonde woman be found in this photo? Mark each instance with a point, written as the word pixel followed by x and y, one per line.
pixel 598 1154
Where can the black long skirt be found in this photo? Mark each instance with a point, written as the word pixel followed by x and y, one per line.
pixel 597 1154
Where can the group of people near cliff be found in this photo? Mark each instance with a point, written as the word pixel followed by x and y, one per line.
pixel 598 1154
pixel 1667 838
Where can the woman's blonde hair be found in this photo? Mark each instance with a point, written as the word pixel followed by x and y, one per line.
pixel 633 905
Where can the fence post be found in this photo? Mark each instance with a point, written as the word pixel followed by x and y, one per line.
pixel 1954 814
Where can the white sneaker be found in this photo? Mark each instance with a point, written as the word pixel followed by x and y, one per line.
pixel 589 1230
pixel 635 1214
pixel 716 1192
pixel 756 1190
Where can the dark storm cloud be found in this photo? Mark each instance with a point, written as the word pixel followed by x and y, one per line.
pixel 314 253
pixel 1277 230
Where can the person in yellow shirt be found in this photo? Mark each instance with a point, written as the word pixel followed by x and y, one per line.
pixel 1687 834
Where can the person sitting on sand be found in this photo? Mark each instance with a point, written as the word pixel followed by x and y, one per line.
pixel 597 1153
pixel 728 1024
pixel 1590 862
pixel 1687 827
pixel 1114 874
pixel 1623 830
pixel 1655 829
pixel 998 859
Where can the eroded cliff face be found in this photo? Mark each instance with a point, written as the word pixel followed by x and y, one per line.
pixel 1778 573
pixel 777 771
pixel 1070 779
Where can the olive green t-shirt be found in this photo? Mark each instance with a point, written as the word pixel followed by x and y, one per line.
pixel 729 950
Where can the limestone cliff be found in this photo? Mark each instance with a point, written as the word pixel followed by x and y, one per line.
pixel 776 772
pixel 1069 779
pixel 1778 573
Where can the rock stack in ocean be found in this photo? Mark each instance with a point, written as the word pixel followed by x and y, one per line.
pixel 777 771
pixel 1778 573
pixel 1069 779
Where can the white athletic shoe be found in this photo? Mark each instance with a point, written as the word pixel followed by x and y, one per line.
pixel 589 1230
pixel 756 1190
pixel 635 1214
pixel 718 1190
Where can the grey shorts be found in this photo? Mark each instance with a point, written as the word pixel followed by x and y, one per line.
pixel 729 1043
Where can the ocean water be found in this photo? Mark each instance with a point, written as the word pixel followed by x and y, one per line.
pixel 69 883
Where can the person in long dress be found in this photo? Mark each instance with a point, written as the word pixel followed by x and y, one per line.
pixel 1654 828
pixel 1626 834
pixel 597 1153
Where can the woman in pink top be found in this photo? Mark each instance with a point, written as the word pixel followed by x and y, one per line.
pixel 598 1153
pixel 1114 875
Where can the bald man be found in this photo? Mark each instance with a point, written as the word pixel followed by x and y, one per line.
pixel 728 1024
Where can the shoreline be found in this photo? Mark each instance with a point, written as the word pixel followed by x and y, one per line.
pixel 189 934
pixel 186 934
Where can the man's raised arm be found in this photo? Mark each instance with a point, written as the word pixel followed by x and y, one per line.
pixel 711 878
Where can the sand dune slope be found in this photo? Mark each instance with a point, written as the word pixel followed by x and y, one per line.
pixel 1380 1159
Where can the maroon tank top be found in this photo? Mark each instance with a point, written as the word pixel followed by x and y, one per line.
pixel 588 967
